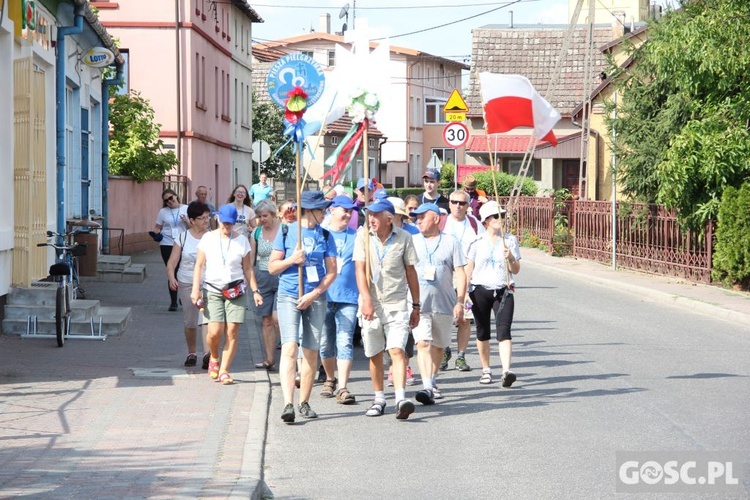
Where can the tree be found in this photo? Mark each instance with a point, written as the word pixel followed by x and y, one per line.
pixel 134 146
pixel 268 125
pixel 682 128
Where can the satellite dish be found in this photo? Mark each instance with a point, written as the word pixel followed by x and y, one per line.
pixel 344 11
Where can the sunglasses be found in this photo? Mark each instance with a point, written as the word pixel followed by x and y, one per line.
pixel 494 216
pixel 169 198
pixel 459 203
pixel 203 217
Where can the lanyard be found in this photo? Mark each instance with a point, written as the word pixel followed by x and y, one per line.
pixel 385 250
pixel 223 255
pixel 492 252
pixel 463 233
pixel 427 250
pixel 175 217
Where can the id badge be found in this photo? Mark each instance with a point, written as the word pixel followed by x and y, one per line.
pixel 312 274
pixel 429 272
pixel 339 264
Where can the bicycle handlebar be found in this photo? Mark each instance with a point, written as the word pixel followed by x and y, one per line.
pixel 67 248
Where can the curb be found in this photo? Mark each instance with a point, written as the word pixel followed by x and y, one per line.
pixel 694 305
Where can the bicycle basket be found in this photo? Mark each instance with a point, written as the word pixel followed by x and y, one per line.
pixel 79 250
pixel 59 269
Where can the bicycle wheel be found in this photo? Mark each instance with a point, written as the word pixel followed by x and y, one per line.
pixel 62 311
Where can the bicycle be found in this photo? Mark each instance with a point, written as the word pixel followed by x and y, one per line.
pixel 65 272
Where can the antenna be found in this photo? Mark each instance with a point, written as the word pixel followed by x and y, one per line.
pixel 344 13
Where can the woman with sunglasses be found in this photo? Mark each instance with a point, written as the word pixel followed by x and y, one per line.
pixel 183 256
pixel 492 261
pixel 172 218
pixel 245 212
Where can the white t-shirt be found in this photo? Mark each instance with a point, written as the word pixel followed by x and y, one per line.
pixel 489 261
pixel 223 257
pixel 463 231
pixel 189 244
pixel 170 220
pixel 244 216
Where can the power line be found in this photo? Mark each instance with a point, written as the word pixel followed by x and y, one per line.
pixel 393 7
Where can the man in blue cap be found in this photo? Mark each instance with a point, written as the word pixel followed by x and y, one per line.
pixel 386 316
pixel 431 181
pixel 440 260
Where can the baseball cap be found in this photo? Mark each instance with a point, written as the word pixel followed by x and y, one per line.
pixel 432 173
pixel 380 194
pixel 424 208
pixel 361 184
pixel 381 206
pixel 489 209
pixel 343 201
pixel 228 214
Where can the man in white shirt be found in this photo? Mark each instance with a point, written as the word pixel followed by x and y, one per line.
pixel 465 228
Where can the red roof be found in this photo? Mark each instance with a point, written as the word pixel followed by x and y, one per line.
pixel 500 143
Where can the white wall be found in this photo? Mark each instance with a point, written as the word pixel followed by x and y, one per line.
pixel 6 153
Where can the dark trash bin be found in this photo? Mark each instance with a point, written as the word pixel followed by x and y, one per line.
pixel 87 253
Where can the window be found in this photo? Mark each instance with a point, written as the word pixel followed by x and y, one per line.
pixel 236 101
pixel 200 81
pixel 226 98
pixel 434 111
pixel 445 155
pixel 371 143
pixel 308 53
pixel 514 166
pixel 216 91
pixel 331 58
pixel 334 140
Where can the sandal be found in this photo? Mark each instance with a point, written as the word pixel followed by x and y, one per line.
pixel 329 388
pixel 344 397
pixel 377 409
pixel 213 369
pixel 266 365
pixel 226 379
pixel 486 378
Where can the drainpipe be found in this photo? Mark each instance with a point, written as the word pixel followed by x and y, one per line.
pixel 106 83
pixel 60 65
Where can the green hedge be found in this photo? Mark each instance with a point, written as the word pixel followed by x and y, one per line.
pixel 504 183
pixel 731 260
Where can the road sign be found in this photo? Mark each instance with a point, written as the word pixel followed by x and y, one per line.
pixel 295 70
pixel 455 109
pixel 456 134
pixel 261 151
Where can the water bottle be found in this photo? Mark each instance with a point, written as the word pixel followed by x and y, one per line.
pixel 199 304
pixel 467 307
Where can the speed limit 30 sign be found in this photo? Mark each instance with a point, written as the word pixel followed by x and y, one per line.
pixel 455 134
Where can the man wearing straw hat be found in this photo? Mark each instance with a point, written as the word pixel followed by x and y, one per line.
pixel 384 311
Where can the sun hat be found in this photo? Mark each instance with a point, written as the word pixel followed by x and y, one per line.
pixel 470 181
pixel 489 209
pixel 424 208
pixel 343 201
pixel 228 214
pixel 314 200
pixel 398 205
pixel 381 206
pixel 432 173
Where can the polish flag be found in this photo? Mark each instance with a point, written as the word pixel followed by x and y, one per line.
pixel 510 101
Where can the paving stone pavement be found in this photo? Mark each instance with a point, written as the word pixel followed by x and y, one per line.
pixel 123 418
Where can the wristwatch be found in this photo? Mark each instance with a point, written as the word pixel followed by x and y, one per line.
pixel 256 291
pixel 416 305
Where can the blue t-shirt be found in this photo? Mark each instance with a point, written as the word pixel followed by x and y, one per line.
pixel 410 228
pixel 344 288
pixel 317 249
pixel 259 193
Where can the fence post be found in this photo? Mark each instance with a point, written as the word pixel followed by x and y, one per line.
pixel 710 248
pixel 551 249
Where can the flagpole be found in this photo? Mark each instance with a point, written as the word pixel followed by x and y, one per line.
pixel 366 166
pixel 298 158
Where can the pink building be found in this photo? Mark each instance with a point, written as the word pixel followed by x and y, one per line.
pixel 190 58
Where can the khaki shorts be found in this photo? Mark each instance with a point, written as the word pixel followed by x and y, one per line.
pixel 192 315
pixel 435 328
pixel 386 330
pixel 220 310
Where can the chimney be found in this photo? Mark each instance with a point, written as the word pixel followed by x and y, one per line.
pixel 511 18
pixel 325 23
pixel 618 24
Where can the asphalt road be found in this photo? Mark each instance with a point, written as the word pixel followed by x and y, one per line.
pixel 600 371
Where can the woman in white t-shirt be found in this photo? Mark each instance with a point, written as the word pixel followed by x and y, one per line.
pixel 245 213
pixel 172 218
pixel 180 274
pixel 225 257
pixel 492 261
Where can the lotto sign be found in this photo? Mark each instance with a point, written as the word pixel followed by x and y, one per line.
pixel 295 70
pixel 455 134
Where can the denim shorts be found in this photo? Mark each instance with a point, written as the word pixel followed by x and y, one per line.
pixel 312 320
pixel 338 334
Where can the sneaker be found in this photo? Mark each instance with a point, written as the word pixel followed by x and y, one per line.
pixel 306 411
pixel 436 392
pixel 409 376
pixel 191 360
pixel 462 365
pixel 288 414
pixel 206 359
pixel 404 408
pixel 446 358
pixel 321 375
pixel 425 397
pixel 389 382
pixel 507 379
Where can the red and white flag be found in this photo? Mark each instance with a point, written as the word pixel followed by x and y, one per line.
pixel 511 101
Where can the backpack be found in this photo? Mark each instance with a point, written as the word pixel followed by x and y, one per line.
pixel 473 224
pixel 284 232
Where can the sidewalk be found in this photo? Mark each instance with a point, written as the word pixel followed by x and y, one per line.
pixel 123 417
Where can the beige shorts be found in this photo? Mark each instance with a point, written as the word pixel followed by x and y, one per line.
pixel 386 330
pixel 435 328
pixel 192 315
pixel 220 310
